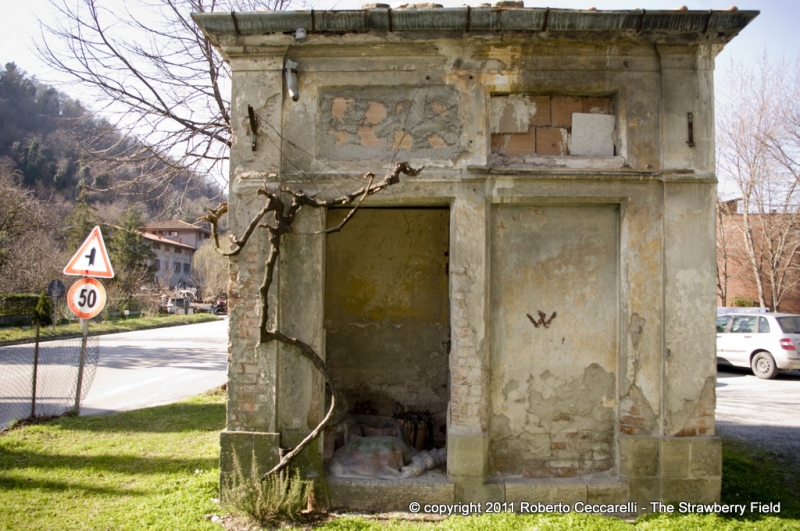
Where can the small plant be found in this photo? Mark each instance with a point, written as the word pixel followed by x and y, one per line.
pixel 269 501
pixel 743 302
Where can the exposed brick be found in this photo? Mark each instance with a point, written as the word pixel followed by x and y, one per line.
pixel 550 141
pixel 542 116
pixel 517 144
pixel 562 108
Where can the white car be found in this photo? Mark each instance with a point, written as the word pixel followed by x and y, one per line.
pixel 765 342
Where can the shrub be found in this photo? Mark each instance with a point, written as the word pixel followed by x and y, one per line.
pixel 268 501
pixel 18 303
pixel 43 313
pixel 743 302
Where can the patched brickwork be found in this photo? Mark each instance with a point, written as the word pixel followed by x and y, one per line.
pixel 539 124
pixel 378 122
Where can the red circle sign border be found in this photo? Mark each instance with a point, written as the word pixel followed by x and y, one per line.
pixel 78 284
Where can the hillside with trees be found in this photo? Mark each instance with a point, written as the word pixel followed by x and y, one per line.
pixel 54 184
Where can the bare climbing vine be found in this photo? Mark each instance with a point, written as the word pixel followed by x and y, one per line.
pixel 283 204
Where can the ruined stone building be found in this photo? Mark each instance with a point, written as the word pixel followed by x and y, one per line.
pixel 545 287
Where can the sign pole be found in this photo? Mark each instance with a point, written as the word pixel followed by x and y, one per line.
pixel 56 289
pixel 87 297
pixel 85 332
pixel 35 371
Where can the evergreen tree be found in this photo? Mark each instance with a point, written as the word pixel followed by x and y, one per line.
pixel 81 221
pixel 131 255
pixel 43 313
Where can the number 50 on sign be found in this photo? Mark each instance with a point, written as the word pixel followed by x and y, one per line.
pixel 86 298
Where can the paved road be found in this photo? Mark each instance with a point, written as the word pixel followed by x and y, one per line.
pixel 764 412
pixel 154 367
pixel 136 370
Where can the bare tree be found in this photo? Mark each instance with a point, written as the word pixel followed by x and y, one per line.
pixel 722 253
pixel 758 145
pixel 28 234
pixel 210 270
pixel 160 84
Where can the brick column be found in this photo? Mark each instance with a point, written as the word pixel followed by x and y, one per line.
pixel 468 418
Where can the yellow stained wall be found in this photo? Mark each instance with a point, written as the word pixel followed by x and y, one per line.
pixel 386 309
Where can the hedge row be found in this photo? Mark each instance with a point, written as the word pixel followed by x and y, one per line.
pixel 18 303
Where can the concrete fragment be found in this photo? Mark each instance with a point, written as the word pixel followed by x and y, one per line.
pixel 509 114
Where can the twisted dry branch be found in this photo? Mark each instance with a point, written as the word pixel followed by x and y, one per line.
pixel 284 214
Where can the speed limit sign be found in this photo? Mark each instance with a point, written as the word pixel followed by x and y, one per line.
pixel 86 298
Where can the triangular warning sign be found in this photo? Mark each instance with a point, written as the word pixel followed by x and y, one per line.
pixel 91 260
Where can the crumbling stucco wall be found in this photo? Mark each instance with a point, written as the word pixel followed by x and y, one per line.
pixel 554 349
pixel 617 243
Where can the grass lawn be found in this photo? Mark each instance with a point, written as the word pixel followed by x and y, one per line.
pixel 157 469
pixel 28 335
pixel 154 468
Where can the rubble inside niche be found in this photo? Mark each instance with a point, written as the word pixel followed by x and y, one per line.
pixel 374 447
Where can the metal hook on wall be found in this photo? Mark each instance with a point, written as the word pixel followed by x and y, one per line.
pixel 253 126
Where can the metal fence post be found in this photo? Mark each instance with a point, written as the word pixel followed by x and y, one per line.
pixel 85 331
pixel 35 371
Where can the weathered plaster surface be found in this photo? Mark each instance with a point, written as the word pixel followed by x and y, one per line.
pixel 384 122
pixel 386 310
pixel 553 390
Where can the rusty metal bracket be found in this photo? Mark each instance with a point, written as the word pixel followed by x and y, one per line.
pixel 253 126
pixel 690 124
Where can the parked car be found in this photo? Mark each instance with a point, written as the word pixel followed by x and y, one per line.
pixel 765 342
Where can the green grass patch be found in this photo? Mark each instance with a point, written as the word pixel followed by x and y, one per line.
pixel 752 474
pixel 154 468
pixel 157 468
pixel 16 335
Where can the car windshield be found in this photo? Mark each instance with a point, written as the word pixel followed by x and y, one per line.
pixel 790 325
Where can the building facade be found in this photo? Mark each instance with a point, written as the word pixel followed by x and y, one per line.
pixel 174 243
pixel 776 240
pixel 545 287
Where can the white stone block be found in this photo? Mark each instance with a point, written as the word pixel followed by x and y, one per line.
pixel 592 135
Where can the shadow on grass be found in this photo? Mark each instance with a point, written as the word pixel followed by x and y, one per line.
pixel 11 458
pixel 9 484
pixel 171 418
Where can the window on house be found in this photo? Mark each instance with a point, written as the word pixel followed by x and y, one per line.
pixel 177 250
pixel 156 246
pixel 173 233
pixel 158 264
pixel 525 125
pixel 185 268
pixel 177 267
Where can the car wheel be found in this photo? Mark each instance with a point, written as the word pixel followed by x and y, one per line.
pixel 763 365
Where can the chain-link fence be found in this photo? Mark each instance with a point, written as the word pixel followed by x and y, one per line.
pixel 56 373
